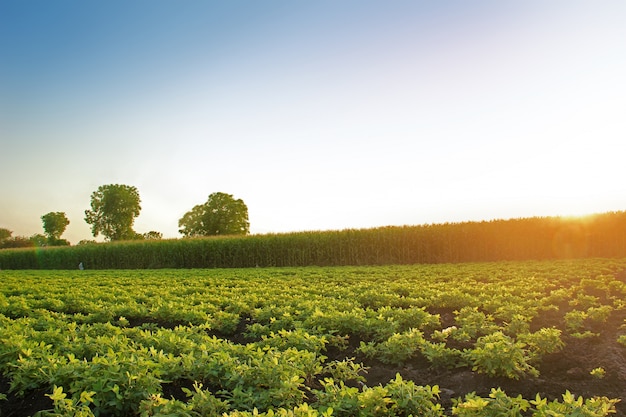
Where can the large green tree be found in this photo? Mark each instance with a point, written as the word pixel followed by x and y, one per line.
pixel 5 238
pixel 222 214
pixel 113 211
pixel 54 224
pixel 5 234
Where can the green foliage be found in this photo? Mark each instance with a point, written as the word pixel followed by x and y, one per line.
pixel 464 242
pixel 4 234
pixel 345 370
pixel 157 406
pixel 54 224
pixel 39 240
pixel 516 239
pixel 397 349
pixel 152 235
pixel 472 323
pixel 439 355
pixel 574 406
pixel 342 399
pixel 543 341
pixel 66 407
pixel 302 410
pixel 397 398
pixel 221 215
pixel 497 354
pixel 113 211
pixel 581 323
pixel 497 405
pixel 501 405
pixel 297 338
pixel 410 399
pixel 108 342
pixel 201 403
pixel 16 242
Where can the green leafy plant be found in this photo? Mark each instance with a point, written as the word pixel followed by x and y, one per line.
pixel 64 406
pixel 499 355
pixel 345 370
pixel 341 399
pixel 497 405
pixel 410 399
pixel 472 323
pixel 543 341
pixel 397 349
pixel 439 355
pixel 574 406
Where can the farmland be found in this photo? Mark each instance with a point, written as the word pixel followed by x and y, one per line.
pixel 527 338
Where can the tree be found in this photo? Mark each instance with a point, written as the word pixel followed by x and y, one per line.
pixel 5 234
pixel 39 240
pixel 16 242
pixel 220 215
pixel 152 235
pixel 5 238
pixel 54 224
pixel 8 241
pixel 113 211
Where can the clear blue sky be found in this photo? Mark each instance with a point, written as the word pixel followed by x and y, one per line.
pixel 318 114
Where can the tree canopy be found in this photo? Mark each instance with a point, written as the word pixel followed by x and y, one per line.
pixel 5 234
pixel 8 241
pixel 222 214
pixel 113 211
pixel 54 224
pixel 152 235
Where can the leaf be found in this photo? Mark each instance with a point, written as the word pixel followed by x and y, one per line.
pixel 86 397
pixel 57 394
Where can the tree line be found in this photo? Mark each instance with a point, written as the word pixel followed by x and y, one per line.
pixel 114 208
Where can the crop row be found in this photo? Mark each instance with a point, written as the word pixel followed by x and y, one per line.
pixel 285 341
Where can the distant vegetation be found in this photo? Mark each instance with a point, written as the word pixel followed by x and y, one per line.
pixel 114 208
pixel 221 215
pixel 602 235
pixel 54 224
pixel 113 211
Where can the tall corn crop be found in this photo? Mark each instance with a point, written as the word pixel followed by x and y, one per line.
pixel 519 239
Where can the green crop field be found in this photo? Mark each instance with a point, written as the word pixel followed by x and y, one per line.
pixel 530 338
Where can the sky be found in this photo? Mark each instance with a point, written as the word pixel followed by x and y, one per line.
pixel 319 115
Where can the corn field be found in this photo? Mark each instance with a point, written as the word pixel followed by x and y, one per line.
pixel 539 238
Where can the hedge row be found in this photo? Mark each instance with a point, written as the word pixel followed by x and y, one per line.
pixel 602 235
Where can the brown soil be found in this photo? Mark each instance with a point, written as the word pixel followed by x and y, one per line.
pixel 29 404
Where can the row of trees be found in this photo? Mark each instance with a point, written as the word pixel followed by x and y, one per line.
pixel 114 208
pixel 54 224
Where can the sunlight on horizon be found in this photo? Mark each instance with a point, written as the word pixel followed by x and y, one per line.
pixel 319 116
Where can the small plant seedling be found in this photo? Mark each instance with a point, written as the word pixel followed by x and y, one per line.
pixel 598 373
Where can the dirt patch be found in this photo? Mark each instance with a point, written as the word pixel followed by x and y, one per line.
pixel 23 406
